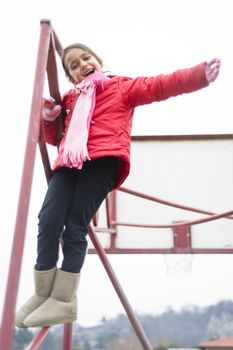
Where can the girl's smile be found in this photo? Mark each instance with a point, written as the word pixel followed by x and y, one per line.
pixel 80 64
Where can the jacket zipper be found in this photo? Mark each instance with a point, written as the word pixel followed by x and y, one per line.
pixel 103 126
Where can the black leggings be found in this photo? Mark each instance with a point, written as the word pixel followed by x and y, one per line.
pixel 71 201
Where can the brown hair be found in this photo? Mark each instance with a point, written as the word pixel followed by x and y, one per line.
pixel 77 46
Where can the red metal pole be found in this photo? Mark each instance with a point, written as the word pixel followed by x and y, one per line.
pixel 108 210
pixel 113 218
pixel 38 340
pixel 181 223
pixel 165 202
pixel 67 336
pixel 6 331
pixel 132 317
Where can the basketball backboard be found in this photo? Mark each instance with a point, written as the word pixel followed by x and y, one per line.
pixel 193 171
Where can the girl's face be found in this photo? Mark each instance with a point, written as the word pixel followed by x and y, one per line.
pixel 80 64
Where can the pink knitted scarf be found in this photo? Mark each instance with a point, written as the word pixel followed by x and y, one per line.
pixel 75 146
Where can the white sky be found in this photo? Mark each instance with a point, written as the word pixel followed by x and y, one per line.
pixel 138 37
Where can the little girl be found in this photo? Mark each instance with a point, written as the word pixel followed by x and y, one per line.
pixel 93 159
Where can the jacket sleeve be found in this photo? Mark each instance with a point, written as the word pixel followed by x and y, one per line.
pixel 145 90
pixel 49 131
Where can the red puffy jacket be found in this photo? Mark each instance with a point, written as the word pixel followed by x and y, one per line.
pixel 111 123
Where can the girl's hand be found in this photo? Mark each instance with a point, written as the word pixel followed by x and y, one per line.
pixel 49 102
pixel 212 69
pixel 50 110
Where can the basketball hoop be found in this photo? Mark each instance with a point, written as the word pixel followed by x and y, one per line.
pixel 178 265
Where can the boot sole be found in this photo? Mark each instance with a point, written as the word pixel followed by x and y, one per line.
pixel 69 319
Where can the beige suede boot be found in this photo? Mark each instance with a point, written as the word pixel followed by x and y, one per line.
pixel 61 306
pixel 43 281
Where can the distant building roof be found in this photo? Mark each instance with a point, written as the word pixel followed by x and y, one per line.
pixel 219 342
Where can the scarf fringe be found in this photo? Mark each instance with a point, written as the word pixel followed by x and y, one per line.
pixel 74 159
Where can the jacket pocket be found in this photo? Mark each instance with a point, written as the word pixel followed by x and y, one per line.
pixel 103 127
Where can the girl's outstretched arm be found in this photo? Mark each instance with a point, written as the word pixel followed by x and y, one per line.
pixel 212 69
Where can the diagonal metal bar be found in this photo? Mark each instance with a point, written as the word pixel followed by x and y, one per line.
pixel 129 311
pixel 38 339
pixel 178 224
pixel 169 203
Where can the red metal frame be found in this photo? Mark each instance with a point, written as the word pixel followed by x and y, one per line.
pixel 182 234
pixel 46 60
pixel 25 190
pixel 38 339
